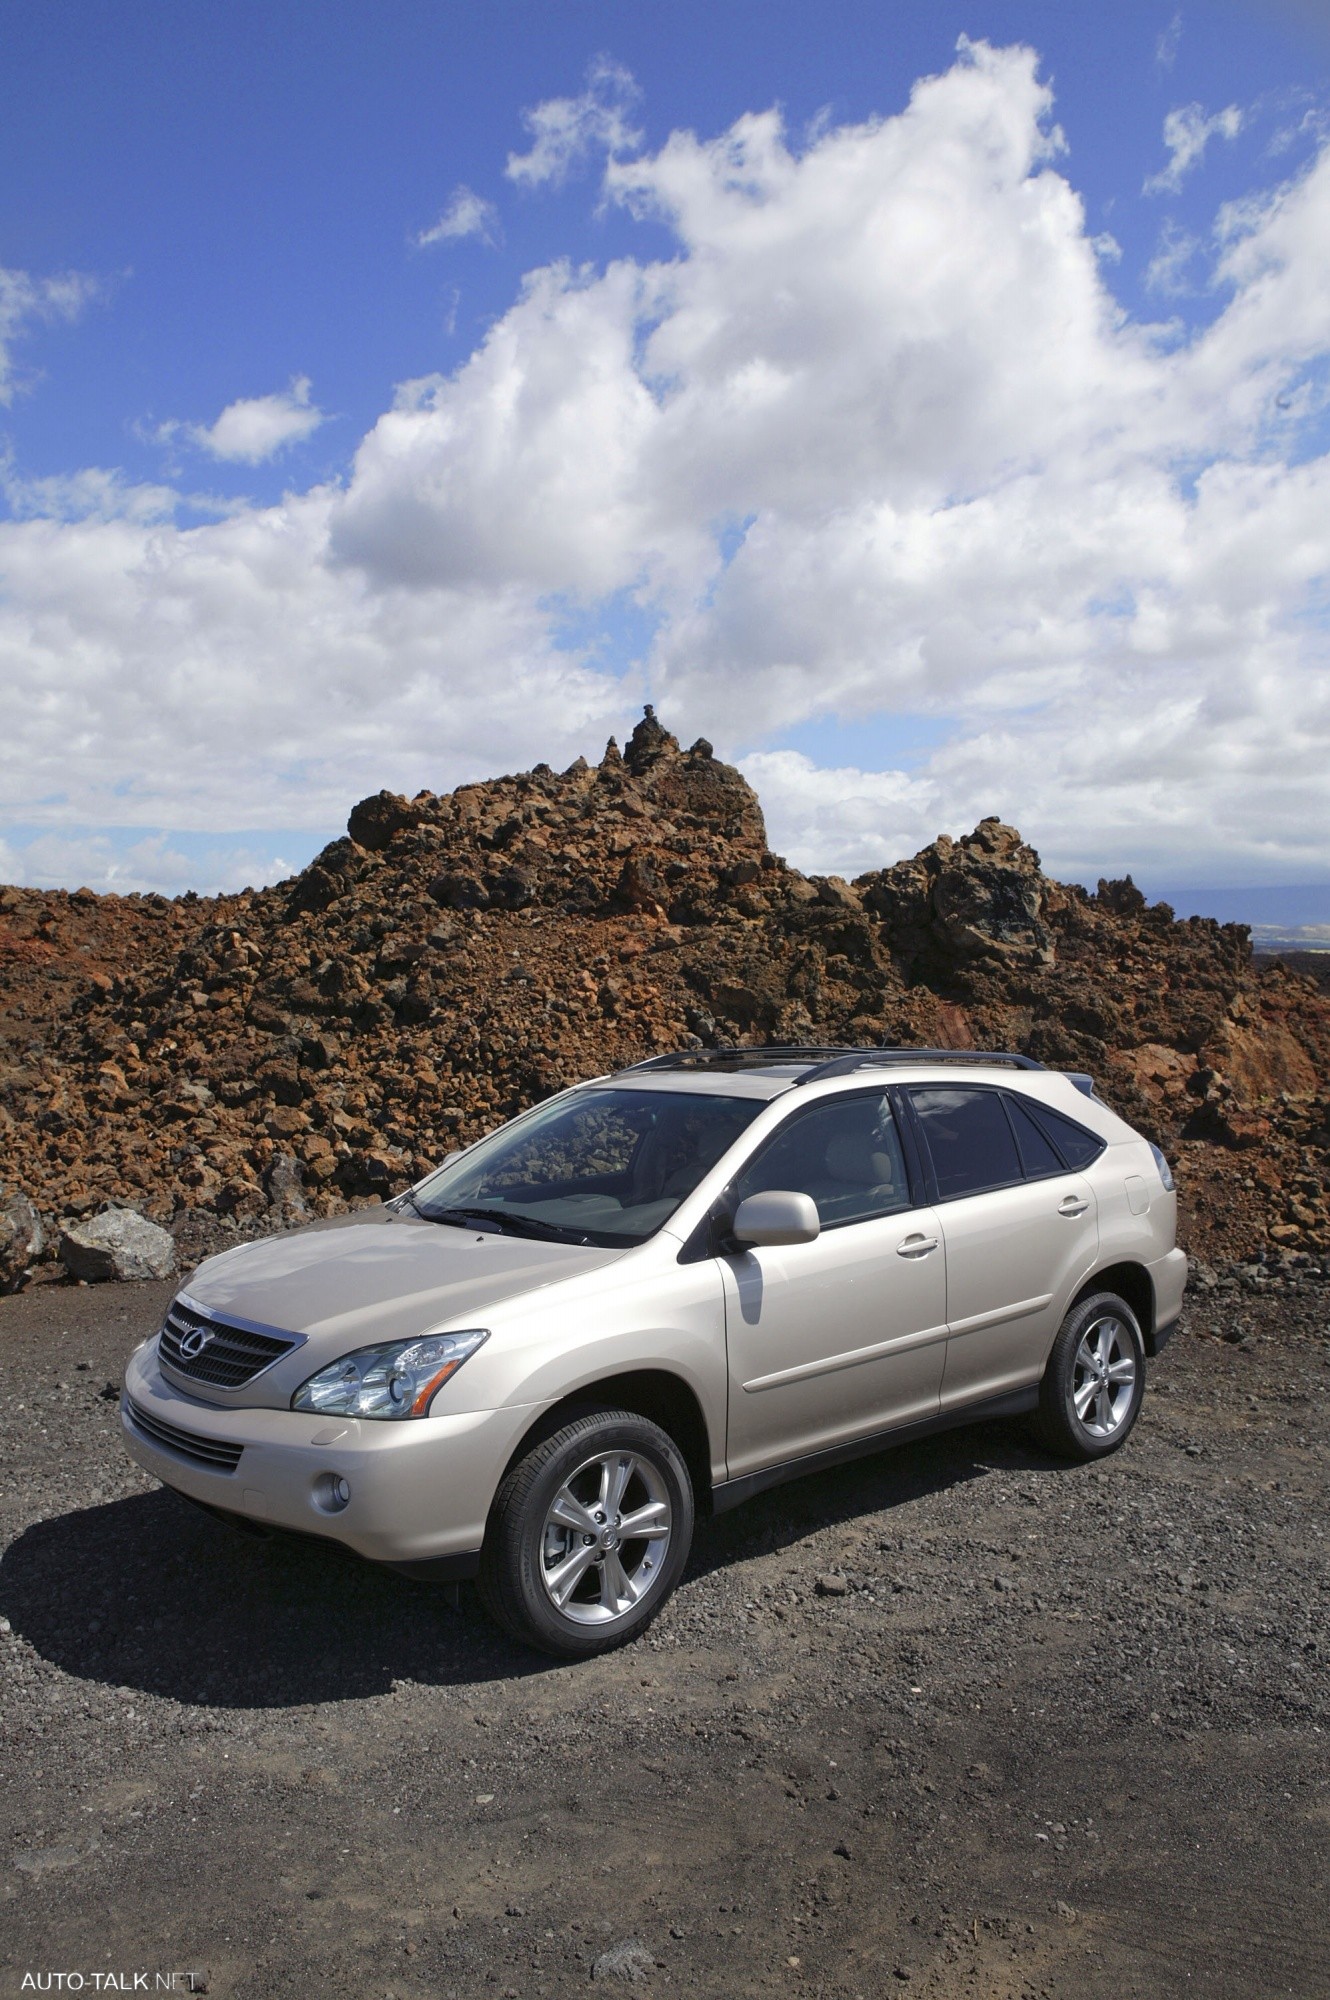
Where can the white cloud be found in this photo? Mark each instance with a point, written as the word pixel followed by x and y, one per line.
pixel 1168 43
pixel 1168 268
pixel 565 130
pixel 1187 133
pixel 25 300
pixel 467 214
pixel 97 493
pixel 840 821
pixel 81 859
pixel 254 428
pixel 877 437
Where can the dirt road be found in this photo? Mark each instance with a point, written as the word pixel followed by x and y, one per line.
pixel 954 1721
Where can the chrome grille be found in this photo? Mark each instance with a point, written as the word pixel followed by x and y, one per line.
pixel 230 1355
pixel 215 1453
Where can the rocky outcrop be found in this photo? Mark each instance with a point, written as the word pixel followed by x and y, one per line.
pixel 22 1240
pixel 962 903
pixel 262 1058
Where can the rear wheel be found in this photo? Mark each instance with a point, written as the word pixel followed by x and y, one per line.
pixel 1091 1393
pixel 588 1535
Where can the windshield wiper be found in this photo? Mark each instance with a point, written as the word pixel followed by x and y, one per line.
pixel 505 1219
pixel 406 1195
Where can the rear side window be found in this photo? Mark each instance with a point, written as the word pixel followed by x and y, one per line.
pixel 1077 1146
pixel 1037 1154
pixel 968 1138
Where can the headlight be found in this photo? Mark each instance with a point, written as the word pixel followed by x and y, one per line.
pixel 1165 1171
pixel 400 1379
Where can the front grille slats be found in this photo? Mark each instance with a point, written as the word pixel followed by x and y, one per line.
pixel 231 1355
pixel 215 1453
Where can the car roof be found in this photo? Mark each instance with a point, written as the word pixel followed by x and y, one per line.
pixel 770 1071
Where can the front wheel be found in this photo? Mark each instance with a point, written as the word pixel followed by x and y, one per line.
pixel 588 1535
pixel 1092 1388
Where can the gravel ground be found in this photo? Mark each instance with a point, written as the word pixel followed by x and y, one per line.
pixel 956 1719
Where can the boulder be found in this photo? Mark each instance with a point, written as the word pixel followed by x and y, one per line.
pixel 375 821
pixel 21 1242
pixel 119 1244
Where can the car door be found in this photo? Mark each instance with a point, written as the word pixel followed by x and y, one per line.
pixel 835 1339
pixel 1019 1229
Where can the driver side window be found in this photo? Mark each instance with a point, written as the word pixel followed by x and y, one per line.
pixel 846 1154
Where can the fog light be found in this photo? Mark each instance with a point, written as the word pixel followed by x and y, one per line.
pixel 331 1492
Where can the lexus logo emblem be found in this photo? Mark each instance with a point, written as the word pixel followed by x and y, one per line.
pixel 195 1341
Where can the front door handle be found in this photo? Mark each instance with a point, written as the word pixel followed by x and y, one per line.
pixel 916 1246
pixel 1072 1204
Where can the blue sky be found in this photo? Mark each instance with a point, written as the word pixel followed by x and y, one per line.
pixel 247 575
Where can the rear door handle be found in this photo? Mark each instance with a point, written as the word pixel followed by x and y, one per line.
pixel 1072 1204
pixel 916 1246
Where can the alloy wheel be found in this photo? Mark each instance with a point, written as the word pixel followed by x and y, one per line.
pixel 606 1537
pixel 1104 1376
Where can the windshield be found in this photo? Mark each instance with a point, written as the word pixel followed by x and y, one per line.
pixel 601 1166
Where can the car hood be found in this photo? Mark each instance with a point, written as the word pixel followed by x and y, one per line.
pixel 378 1276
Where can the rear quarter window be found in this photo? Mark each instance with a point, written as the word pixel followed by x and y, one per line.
pixel 1077 1147
pixel 1038 1155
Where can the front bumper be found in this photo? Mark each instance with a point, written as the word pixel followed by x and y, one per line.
pixel 420 1490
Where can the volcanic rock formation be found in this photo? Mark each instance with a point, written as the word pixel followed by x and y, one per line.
pixel 263 1057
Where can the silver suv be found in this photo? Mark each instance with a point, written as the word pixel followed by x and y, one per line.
pixel 654 1295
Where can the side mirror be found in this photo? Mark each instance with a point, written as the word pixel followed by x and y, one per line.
pixel 775 1217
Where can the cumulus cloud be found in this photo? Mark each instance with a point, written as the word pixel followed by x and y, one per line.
pixel 1187 133
pixel 254 428
pixel 467 214
pixel 876 437
pixel 565 131
pixel 26 301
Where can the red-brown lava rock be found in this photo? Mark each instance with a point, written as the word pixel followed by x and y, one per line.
pixel 248 1059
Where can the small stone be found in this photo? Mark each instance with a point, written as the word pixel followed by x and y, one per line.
pixel 842 1848
pixel 629 1961
pixel 47 1860
pixel 832 1586
pixel 1066 1912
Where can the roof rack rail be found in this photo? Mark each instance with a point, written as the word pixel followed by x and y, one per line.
pixel 852 1059
pixel 826 1060
pixel 738 1058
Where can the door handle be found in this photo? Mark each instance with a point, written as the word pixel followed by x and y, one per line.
pixel 916 1246
pixel 1072 1204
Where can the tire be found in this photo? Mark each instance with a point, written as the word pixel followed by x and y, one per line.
pixel 1091 1393
pixel 560 1579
